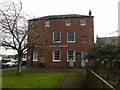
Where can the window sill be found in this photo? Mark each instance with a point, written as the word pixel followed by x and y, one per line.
pixel 70 41
pixel 35 60
pixel 57 42
pixel 83 24
pixel 68 60
pixel 67 25
pixel 56 60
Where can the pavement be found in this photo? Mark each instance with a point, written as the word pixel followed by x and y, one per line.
pixel 23 67
pixel 74 78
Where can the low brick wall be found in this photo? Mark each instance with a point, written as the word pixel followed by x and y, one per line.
pixel 95 81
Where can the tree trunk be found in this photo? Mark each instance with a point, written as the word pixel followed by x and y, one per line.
pixel 32 56
pixel 19 62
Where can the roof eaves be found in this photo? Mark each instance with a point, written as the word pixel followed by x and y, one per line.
pixel 60 17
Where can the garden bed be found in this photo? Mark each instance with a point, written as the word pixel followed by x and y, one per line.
pixel 110 76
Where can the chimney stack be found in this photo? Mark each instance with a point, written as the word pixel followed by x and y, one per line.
pixel 90 13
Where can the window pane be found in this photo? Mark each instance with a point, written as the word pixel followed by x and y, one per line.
pixel 68 22
pixel 71 54
pixel 71 39
pixel 35 56
pixel 56 36
pixel 83 22
pixel 56 58
pixel 47 24
pixel 56 55
pixel 71 36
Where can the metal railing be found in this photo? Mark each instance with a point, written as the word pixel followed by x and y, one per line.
pixel 95 81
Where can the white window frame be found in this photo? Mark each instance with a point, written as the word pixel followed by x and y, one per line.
pixel 53 56
pixel 74 55
pixel 35 56
pixel 68 22
pixel 54 38
pixel 82 22
pixel 68 35
pixel 47 23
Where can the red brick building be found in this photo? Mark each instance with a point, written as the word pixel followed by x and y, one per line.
pixel 70 36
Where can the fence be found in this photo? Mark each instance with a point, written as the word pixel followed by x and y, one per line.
pixel 95 81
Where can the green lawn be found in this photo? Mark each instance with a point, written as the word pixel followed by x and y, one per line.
pixel 31 79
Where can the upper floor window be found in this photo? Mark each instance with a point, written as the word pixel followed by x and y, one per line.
pixel 83 22
pixel 56 37
pixel 47 23
pixel 68 22
pixel 56 55
pixel 71 36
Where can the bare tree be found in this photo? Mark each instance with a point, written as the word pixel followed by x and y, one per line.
pixel 14 30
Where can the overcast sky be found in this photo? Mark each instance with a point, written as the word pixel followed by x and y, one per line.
pixel 105 12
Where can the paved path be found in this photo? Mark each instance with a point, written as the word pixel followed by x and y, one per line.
pixel 74 79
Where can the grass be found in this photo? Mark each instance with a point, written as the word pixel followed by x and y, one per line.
pixel 0 78
pixel 31 79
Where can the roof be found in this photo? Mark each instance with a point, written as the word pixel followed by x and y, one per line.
pixel 114 37
pixel 60 17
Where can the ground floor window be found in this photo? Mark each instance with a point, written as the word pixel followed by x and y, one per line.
pixel 56 55
pixel 35 56
pixel 71 54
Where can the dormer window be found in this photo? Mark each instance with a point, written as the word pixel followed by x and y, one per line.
pixel 47 24
pixel 68 22
pixel 83 22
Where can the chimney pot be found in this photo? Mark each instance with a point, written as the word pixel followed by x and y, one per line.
pixel 90 13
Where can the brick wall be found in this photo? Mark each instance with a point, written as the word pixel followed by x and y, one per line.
pixel 60 25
